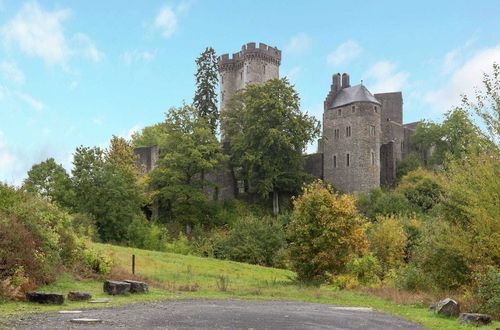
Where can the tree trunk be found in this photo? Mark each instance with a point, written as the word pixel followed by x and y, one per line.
pixel 276 206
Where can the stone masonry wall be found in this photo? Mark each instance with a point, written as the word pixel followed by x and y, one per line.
pixel 392 106
pixel 363 173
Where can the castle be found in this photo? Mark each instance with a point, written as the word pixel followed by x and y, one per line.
pixel 363 133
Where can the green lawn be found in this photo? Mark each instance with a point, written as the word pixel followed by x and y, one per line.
pixel 180 277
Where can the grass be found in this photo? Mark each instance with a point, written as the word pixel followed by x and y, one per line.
pixel 174 276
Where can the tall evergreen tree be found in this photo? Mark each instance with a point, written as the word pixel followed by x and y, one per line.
pixel 205 98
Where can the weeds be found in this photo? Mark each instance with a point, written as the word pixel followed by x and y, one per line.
pixel 222 283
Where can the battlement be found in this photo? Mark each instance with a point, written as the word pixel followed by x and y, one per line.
pixel 264 52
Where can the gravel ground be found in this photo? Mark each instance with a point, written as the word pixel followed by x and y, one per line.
pixel 220 314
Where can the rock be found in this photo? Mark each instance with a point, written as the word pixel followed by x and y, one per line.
pixel 447 307
pixel 79 296
pixel 116 287
pixel 474 318
pixel 45 298
pixel 138 287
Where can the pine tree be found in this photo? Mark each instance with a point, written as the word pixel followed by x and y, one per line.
pixel 205 98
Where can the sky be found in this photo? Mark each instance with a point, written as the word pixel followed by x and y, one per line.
pixel 77 72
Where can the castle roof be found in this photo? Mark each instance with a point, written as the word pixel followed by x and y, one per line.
pixel 358 93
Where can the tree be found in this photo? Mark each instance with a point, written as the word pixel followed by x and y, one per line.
pixel 325 231
pixel 187 149
pixel 487 103
pixel 205 97
pixel 106 190
pixel 51 181
pixel 268 134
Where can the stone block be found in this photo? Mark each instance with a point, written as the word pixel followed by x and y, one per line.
pixel 138 287
pixel 447 307
pixel 475 318
pixel 116 287
pixel 79 296
pixel 45 298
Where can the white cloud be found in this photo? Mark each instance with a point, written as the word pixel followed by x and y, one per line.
pixel 128 135
pixel 11 72
pixel 298 44
pixel 385 77
pixel 88 48
pixel 135 56
pixel 40 33
pixel 184 6
pixel 463 79
pixel 39 106
pixel 344 53
pixel 166 21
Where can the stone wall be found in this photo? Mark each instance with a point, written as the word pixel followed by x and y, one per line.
pixel 392 106
pixel 313 164
pixel 363 172
pixel 147 157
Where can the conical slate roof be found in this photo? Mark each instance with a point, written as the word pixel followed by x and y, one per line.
pixel 358 93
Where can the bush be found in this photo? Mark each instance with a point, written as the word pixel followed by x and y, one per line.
pixel 99 263
pixel 147 235
pixel 412 278
pixel 365 268
pixel 488 291
pixel 325 231
pixel 388 242
pixel 381 203
pixel 344 281
pixel 254 240
pixel 421 189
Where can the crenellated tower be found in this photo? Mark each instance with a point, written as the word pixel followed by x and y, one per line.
pixel 251 65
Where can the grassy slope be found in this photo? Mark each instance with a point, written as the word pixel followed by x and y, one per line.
pixel 180 277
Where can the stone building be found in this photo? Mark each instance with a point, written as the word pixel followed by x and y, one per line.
pixel 364 134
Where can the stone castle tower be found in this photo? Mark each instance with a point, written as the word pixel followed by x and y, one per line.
pixel 364 137
pixel 352 131
pixel 251 65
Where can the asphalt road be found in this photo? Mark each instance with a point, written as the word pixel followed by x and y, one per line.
pixel 220 314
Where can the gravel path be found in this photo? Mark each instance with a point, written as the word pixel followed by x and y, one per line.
pixel 220 314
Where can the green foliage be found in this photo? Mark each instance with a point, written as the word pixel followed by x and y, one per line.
pixel 488 291
pixel 98 262
pixel 51 181
pixel 37 239
pixel 408 164
pixel 412 278
pixel 188 151
pixel 384 203
pixel 149 135
pixel 147 235
pixel 421 189
pixel 365 268
pixel 106 188
pixel 326 230
pixel 254 240
pixel 207 79
pixel 268 134
pixel 388 242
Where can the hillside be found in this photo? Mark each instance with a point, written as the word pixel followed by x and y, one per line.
pixel 175 276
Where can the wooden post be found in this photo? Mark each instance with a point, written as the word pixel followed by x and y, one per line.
pixel 133 264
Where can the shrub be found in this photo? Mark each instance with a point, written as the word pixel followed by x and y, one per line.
pixel 147 235
pixel 421 189
pixel 325 231
pixel 99 263
pixel 254 240
pixel 365 268
pixel 488 291
pixel 388 242
pixel 381 203
pixel 345 281
pixel 412 278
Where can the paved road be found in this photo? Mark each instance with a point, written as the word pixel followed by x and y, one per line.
pixel 221 314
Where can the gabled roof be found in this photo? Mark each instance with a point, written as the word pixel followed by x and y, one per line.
pixel 358 93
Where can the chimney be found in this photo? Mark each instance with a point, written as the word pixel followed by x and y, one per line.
pixel 336 82
pixel 345 80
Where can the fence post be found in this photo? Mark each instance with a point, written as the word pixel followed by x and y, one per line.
pixel 133 264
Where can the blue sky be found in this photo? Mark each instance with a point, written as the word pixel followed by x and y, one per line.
pixel 76 72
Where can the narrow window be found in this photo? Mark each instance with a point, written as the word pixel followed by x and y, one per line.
pixel 348 131
pixel 336 133
pixel 373 158
pixel 334 161
pixel 375 108
pixel 241 75
pixel 347 160
pixel 339 112
pixel 372 130
pixel 353 109
pixel 264 69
